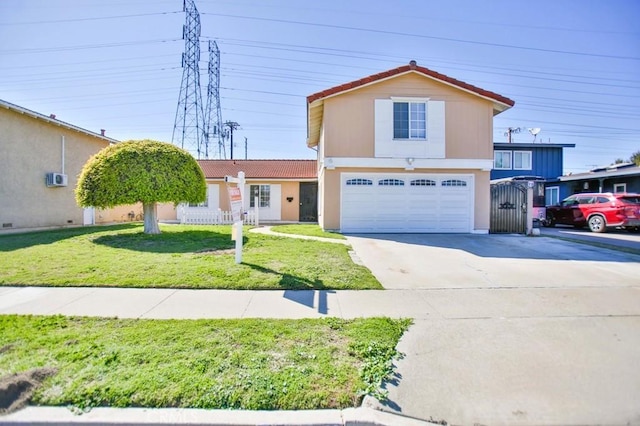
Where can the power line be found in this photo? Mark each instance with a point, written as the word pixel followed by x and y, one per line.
pixel 97 18
pixel 81 47
pixel 398 33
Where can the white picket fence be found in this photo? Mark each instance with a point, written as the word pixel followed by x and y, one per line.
pixel 214 217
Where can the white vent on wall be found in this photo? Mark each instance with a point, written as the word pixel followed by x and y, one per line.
pixel 56 179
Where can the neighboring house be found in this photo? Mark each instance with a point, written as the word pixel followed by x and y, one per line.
pixel 623 177
pixel 286 189
pixel 540 159
pixel 405 150
pixel 540 162
pixel 41 158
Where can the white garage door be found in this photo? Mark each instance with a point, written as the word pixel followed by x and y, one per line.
pixel 395 202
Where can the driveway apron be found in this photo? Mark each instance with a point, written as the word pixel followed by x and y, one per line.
pixel 522 331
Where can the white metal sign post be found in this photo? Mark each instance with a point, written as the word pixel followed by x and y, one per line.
pixel 236 195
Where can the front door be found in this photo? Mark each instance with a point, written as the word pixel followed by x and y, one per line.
pixel 308 201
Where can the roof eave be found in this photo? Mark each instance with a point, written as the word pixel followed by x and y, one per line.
pixel 38 116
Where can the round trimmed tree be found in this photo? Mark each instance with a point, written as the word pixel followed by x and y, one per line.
pixel 145 171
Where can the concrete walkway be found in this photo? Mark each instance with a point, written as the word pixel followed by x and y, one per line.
pixel 268 231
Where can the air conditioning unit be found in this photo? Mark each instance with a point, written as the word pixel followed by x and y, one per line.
pixel 56 179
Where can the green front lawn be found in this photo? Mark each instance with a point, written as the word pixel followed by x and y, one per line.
pixel 310 230
pixel 181 257
pixel 243 364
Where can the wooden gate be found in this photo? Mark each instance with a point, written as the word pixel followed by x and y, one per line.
pixel 508 208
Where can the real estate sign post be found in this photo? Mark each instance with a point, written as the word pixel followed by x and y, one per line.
pixel 235 201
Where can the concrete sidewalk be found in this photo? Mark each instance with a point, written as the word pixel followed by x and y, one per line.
pixel 420 304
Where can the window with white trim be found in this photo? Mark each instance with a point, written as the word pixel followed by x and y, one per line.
pixel 409 120
pixel 522 160
pixel 264 195
pixel 502 160
pixel 619 187
pixel 551 195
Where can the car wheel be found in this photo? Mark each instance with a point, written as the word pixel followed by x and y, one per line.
pixel 550 222
pixel 597 223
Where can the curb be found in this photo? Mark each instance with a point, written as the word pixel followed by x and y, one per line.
pixel 102 416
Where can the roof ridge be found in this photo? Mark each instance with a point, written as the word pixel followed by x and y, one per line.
pixel 412 67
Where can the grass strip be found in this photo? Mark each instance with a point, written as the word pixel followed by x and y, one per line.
pixel 181 257
pixel 254 364
pixel 309 230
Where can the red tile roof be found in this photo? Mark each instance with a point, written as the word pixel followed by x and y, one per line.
pixel 404 69
pixel 260 169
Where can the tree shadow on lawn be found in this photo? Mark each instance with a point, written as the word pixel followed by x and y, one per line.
pixel 288 281
pixel 191 241
pixel 18 241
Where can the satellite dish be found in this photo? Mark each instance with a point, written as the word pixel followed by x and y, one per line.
pixel 534 131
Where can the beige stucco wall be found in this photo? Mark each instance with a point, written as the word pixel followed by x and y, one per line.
pixel 166 212
pixel 348 131
pixel 289 211
pixel 29 149
pixel 330 209
pixel 348 119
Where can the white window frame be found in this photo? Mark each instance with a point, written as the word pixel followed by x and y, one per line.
pixel 522 154
pixel 617 186
pixel 495 158
pixel 425 120
pixel 264 196
pixel 551 195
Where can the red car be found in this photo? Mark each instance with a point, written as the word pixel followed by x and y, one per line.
pixel 597 210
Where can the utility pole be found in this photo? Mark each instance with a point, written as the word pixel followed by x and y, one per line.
pixel 511 130
pixel 189 127
pixel 232 125
pixel 245 148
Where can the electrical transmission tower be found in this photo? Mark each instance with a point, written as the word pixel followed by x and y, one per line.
pixel 214 130
pixel 188 129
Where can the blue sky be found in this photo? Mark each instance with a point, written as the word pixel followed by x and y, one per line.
pixel 572 66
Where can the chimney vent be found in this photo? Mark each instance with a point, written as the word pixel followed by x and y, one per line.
pixel 413 64
pixel 102 131
pixel 52 116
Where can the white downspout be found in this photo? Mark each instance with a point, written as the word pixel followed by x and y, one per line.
pixel 62 154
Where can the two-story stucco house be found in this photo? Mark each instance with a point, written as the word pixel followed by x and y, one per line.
pixel 405 150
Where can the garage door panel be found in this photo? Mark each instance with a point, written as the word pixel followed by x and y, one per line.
pixel 434 203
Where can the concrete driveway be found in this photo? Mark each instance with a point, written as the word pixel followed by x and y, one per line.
pixel 522 330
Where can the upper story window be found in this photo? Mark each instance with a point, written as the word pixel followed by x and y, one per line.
pixel 508 160
pixel 409 120
pixel 522 160
pixel 502 160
